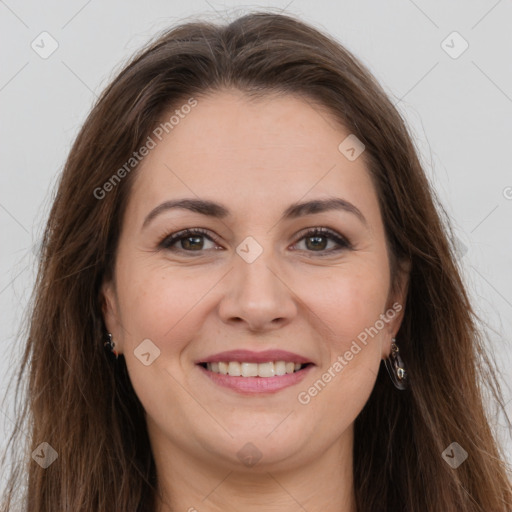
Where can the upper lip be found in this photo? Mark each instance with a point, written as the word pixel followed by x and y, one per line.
pixel 248 356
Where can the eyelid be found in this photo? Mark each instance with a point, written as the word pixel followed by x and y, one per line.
pixel 338 237
pixel 166 241
pixel 342 241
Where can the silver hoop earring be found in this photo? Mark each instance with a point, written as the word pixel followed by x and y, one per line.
pixel 109 345
pixel 395 367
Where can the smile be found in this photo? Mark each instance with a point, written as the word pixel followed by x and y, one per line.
pixel 246 369
pixel 250 372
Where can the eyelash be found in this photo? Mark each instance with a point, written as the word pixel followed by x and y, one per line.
pixel 170 240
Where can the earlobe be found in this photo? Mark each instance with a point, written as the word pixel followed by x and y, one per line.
pixel 109 307
pixel 395 314
pixel 396 305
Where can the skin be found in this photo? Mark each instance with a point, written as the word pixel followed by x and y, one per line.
pixel 256 158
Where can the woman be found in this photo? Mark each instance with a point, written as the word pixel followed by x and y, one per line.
pixel 241 235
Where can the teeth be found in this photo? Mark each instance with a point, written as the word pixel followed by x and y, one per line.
pixel 280 367
pixel 269 369
pixel 249 369
pixel 266 369
pixel 234 369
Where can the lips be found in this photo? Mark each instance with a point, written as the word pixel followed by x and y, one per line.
pixel 245 371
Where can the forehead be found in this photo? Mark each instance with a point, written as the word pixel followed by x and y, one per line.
pixel 277 148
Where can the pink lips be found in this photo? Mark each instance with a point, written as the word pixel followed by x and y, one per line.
pixel 252 385
pixel 257 384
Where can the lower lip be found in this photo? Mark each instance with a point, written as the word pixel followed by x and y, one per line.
pixel 257 384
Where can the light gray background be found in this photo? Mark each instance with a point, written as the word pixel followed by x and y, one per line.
pixel 459 109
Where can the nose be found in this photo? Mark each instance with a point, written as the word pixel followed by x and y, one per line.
pixel 257 296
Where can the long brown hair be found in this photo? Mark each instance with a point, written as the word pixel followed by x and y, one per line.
pixel 80 401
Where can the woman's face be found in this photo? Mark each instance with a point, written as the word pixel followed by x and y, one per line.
pixel 256 282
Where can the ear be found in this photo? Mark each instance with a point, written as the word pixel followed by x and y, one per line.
pixel 396 304
pixel 110 311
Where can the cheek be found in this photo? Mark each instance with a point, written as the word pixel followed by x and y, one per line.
pixel 156 302
pixel 348 301
pixel 349 306
pixel 161 308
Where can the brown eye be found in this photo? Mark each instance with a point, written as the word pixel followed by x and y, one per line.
pixel 317 240
pixel 191 240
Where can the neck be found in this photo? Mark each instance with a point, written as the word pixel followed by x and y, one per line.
pixel 323 484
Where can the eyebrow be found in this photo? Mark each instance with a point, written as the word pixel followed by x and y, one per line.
pixel 217 210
